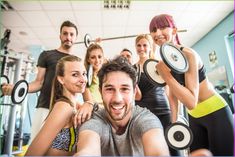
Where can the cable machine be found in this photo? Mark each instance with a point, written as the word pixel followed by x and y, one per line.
pixel 13 108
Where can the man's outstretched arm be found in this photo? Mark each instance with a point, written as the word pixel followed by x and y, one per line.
pixel 154 143
pixel 88 144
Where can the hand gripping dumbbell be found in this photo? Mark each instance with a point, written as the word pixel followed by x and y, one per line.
pixel 19 90
pixel 172 57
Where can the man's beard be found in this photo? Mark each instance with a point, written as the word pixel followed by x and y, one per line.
pixel 67 46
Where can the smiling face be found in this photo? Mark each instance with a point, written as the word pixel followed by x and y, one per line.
pixel 163 29
pixel 143 48
pixel 96 59
pixel 68 37
pixel 118 96
pixel 163 35
pixel 74 79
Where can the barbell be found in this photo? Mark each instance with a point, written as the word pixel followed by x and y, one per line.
pixel 88 39
pixel 19 90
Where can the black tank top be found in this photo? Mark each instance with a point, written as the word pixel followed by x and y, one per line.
pixel 181 80
pixel 153 96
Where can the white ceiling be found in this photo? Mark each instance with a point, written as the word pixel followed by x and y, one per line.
pixel 41 21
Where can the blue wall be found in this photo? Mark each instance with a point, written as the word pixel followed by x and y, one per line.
pixel 215 41
pixel 32 97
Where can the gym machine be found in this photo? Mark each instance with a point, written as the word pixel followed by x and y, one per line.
pixel 14 68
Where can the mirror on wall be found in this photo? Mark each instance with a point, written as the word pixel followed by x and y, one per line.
pixel 218 76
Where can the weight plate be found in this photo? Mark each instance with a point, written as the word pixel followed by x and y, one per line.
pixel 178 136
pixel 19 92
pixel 89 75
pixel 151 73
pixel 87 40
pixel 174 58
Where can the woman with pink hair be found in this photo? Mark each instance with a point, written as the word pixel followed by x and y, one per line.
pixel 210 117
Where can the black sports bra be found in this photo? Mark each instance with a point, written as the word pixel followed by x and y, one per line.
pixel 180 77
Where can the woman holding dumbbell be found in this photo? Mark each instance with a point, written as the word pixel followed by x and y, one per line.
pixel 153 96
pixel 95 58
pixel 210 117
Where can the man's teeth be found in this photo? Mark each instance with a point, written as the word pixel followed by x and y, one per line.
pixel 160 37
pixel 117 107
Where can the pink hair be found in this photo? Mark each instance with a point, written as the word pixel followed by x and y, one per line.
pixel 163 21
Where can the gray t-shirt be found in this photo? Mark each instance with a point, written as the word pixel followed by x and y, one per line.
pixel 129 143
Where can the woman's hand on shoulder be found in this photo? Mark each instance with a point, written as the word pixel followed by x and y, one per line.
pixel 83 113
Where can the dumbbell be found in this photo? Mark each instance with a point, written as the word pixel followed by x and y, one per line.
pixel 178 135
pixel 19 90
pixel 172 57
pixel 89 75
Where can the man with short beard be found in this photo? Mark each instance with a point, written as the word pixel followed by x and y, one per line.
pixel 121 128
pixel 46 71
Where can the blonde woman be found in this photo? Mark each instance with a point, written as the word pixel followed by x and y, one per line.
pixel 154 96
pixel 94 57
pixel 58 135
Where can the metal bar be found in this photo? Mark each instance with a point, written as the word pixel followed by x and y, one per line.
pixel 12 119
pixel 17 57
pixel 182 30
pixel 10 131
pixel 80 42
pixel 122 37
pixel 17 152
pixel 129 36
pixel 6 104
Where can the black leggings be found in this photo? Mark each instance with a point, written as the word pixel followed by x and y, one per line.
pixel 214 132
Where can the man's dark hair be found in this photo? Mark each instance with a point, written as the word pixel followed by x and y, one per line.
pixel 118 64
pixel 125 49
pixel 68 24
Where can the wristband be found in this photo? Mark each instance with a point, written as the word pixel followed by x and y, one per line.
pixel 94 105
